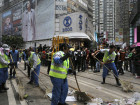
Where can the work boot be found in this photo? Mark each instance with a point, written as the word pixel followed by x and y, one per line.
pixel 30 82
pixel 1 90
pixel 103 81
pixel 4 87
pixel 63 104
pixel 117 81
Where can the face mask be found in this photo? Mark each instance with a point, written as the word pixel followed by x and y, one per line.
pixel 1 51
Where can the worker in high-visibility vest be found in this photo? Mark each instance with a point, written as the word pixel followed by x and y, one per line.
pixel 34 63
pixel 58 75
pixel 4 62
pixel 108 61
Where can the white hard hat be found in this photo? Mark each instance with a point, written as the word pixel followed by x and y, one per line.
pixel 5 46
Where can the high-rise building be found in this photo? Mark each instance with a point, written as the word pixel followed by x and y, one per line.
pixel 122 20
pixel 104 16
pixel 111 18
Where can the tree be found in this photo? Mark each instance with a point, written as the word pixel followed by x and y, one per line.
pixel 13 39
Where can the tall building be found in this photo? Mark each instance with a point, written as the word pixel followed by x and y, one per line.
pixel 103 17
pixel 122 21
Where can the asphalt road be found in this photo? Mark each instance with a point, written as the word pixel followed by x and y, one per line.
pixel 89 82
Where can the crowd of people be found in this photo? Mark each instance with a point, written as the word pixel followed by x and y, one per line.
pixel 112 58
pixel 126 59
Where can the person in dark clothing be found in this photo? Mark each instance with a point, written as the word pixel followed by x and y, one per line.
pixel 92 61
pixel 28 67
pixel 49 61
pixel 100 57
pixel 79 59
pixel 75 59
pixel 83 57
pixel 136 62
pixel 25 58
pixel 40 48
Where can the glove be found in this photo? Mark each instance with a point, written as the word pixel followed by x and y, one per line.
pixel 26 62
pixel 32 69
pixel 74 72
pixel 11 64
pixel 71 71
pixel 18 63
pixel 69 54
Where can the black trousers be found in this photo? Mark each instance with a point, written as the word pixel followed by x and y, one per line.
pixel 12 71
pixel 49 65
pixel 25 65
pixel 29 69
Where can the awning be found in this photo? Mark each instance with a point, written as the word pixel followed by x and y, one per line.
pixel 75 35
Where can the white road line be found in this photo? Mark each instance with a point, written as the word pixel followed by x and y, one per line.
pixel 10 94
pixel 107 91
pixel 17 90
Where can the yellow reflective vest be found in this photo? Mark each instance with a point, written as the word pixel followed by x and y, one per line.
pixel 108 56
pixel 7 59
pixel 30 59
pixel 61 70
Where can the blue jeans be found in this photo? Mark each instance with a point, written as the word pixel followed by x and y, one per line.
pixel 19 59
pixel 110 66
pixel 3 75
pixel 97 66
pixel 34 77
pixel 59 91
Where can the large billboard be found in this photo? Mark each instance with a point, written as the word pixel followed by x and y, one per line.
pixel 38 20
pixel 28 20
pixel 11 21
pixel 45 19
pixel 17 16
pixel 33 19
pixel 7 23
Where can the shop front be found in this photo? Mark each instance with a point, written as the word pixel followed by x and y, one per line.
pixel 78 28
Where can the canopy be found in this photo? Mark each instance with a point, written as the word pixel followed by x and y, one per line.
pixel 75 35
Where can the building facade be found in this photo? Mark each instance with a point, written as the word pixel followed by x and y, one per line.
pixel 103 18
pixel 135 23
pixel 45 18
pixel 122 21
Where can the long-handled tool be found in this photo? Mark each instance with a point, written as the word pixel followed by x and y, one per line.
pixel 126 85
pixel 47 89
pixel 20 85
pixel 80 96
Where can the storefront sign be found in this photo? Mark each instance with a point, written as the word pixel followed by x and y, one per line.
pixel 67 23
pixel 80 22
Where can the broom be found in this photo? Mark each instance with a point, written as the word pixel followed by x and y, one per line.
pixel 126 85
pixel 20 85
pixel 47 90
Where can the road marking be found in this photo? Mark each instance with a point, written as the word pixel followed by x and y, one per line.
pixel 10 94
pixel 23 102
pixel 112 93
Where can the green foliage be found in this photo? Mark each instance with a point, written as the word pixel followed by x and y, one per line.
pixel 13 39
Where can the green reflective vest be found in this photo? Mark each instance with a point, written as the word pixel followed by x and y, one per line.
pixel 59 71
pixel 7 59
pixel 30 59
pixel 108 57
